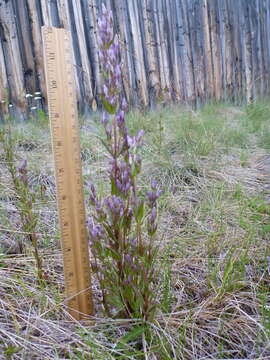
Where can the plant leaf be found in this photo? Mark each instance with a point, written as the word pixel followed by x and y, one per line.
pixel 132 335
pixel 108 107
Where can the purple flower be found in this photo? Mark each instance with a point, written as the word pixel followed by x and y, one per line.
pixel 93 195
pixel 153 215
pixel 115 207
pixel 152 196
pixel 105 118
pixel 131 141
pixel 120 118
pixel 135 142
pixel 95 230
pixel 128 259
pixel 139 136
pixel 153 184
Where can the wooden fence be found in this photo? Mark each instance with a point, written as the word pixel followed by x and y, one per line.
pixel 181 50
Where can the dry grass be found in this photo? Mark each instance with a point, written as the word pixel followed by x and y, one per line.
pixel 214 256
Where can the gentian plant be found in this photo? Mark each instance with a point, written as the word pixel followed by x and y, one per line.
pixel 123 226
pixel 25 197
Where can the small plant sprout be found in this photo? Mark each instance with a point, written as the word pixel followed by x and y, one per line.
pixel 123 226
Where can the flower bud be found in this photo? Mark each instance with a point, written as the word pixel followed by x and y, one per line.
pixel 22 172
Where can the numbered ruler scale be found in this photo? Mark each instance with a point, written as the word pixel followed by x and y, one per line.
pixel 68 171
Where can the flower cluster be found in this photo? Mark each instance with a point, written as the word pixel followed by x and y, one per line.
pixel 108 55
pixel 124 253
pixel 34 100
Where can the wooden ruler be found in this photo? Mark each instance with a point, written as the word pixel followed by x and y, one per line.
pixel 68 171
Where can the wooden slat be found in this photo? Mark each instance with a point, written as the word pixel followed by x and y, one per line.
pixel 82 48
pixel 34 11
pixel 152 71
pixel 137 51
pixel 3 85
pixel 248 53
pixel 126 55
pixel 12 54
pixel 25 43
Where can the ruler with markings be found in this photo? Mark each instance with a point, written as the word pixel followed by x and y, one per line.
pixel 68 171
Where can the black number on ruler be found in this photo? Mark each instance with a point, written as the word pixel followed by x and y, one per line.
pixel 53 84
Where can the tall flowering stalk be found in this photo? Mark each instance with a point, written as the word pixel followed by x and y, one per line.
pixel 123 226
pixel 25 198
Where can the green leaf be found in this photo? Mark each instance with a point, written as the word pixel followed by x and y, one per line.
pixel 11 350
pixel 112 253
pixel 132 335
pixel 108 107
pixel 128 293
pixel 114 190
pixel 109 230
pixel 109 43
pixel 140 212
